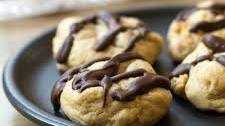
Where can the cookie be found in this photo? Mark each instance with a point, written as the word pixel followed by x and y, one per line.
pixel 118 91
pixel 190 25
pixel 200 77
pixel 82 39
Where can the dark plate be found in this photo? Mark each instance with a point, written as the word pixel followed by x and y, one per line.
pixel 29 77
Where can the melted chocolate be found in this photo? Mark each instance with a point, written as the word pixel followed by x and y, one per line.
pixel 109 19
pixel 114 29
pixel 106 83
pixel 108 38
pixel 60 84
pixel 220 59
pixel 108 75
pixel 208 26
pixel 94 61
pixel 136 73
pixel 142 31
pixel 92 78
pixel 216 8
pixel 65 49
pixel 111 22
pixel 141 86
pixel 181 69
pixel 185 68
pixel 216 44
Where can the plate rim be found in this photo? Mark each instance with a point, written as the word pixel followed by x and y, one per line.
pixel 17 99
pixel 21 103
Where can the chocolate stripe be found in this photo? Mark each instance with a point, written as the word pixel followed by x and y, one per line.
pixel 141 86
pixel 216 44
pixel 185 68
pixel 142 31
pixel 180 70
pixel 109 19
pixel 111 22
pixel 63 53
pixel 216 8
pixel 105 77
pixel 107 39
pixel 208 26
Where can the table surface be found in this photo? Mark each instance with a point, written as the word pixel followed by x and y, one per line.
pixel 16 33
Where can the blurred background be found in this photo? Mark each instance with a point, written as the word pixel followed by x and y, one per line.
pixel 21 20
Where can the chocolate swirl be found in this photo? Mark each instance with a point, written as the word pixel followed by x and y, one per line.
pixel 106 77
pixel 185 68
pixel 111 21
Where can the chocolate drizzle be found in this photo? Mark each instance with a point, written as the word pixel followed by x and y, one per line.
pixel 141 86
pixel 142 31
pixel 64 51
pixel 181 69
pixel 114 30
pixel 216 8
pixel 112 22
pixel 106 77
pixel 185 68
pixel 216 44
pixel 220 59
pixel 60 84
pixel 208 26
pixel 108 38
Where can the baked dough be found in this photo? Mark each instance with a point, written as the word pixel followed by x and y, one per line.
pixel 190 25
pixel 203 84
pixel 144 109
pixel 149 44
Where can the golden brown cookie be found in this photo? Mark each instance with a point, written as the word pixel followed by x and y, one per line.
pixel 200 77
pixel 190 25
pixel 120 91
pixel 82 39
